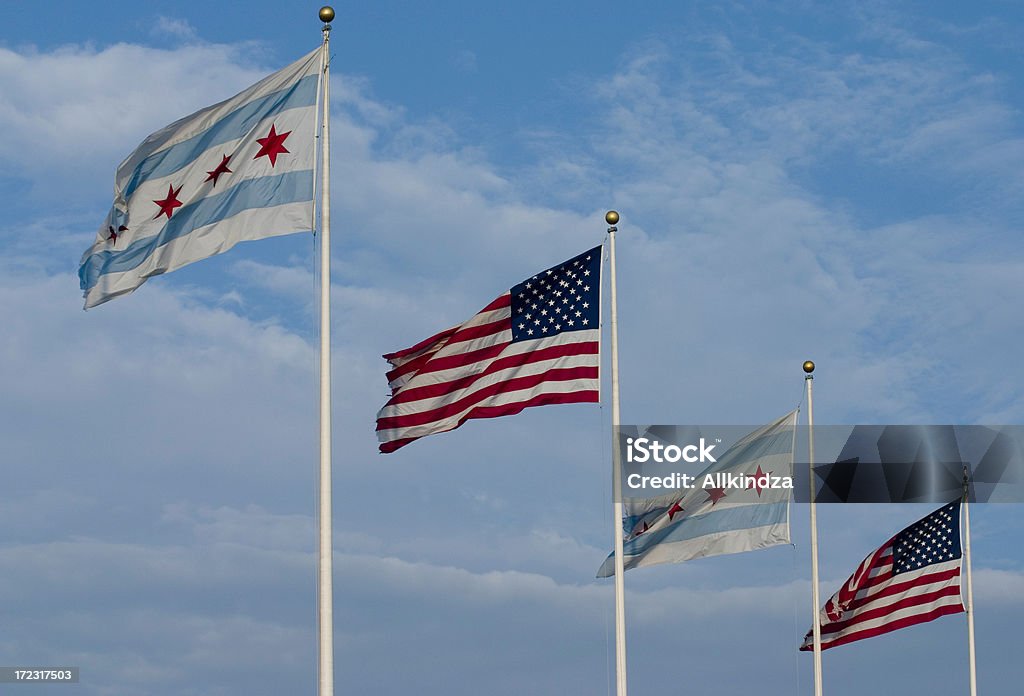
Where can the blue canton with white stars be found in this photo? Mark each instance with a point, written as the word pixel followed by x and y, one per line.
pixel 934 539
pixel 563 298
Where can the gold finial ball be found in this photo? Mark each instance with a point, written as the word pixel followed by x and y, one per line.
pixel 611 217
pixel 326 14
pixel 808 366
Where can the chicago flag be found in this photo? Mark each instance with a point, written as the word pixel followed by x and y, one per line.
pixel 713 518
pixel 238 170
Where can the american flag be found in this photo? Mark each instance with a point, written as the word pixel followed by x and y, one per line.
pixel 913 578
pixel 537 344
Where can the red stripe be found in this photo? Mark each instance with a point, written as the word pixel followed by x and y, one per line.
pixel 895 587
pixel 504 300
pixel 449 362
pixel 875 580
pixel 472 333
pixel 509 385
pixel 889 627
pixel 862 578
pixel 430 391
pixel 499 302
pixel 410 367
pixel 867 581
pixel 578 397
pixel 892 586
pixel 460 336
pixel 391 446
pixel 881 612
pixel 421 345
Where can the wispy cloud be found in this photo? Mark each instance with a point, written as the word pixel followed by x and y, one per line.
pixel 175 28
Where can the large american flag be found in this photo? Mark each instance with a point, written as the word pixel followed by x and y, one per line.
pixel 537 344
pixel 913 578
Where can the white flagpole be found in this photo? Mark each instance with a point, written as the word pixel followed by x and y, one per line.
pixel 612 218
pixel 815 599
pixel 970 586
pixel 325 617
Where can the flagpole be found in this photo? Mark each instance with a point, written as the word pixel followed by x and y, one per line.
pixel 815 599
pixel 970 585
pixel 612 218
pixel 325 597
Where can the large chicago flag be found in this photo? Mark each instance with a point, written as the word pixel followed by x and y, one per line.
pixel 238 170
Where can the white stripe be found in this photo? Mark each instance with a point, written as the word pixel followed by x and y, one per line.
pixel 454 348
pixel 866 594
pixel 419 378
pixel 257 223
pixel 486 381
pixel 881 622
pixel 438 344
pixel 881 569
pixel 517 348
pixel 869 598
pixel 476 320
pixel 504 399
pixel 475 387
pixel 714 544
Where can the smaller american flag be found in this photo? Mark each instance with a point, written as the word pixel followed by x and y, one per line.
pixel 913 578
pixel 537 344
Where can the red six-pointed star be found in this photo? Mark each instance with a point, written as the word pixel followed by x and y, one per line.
pixel 674 510
pixel 756 483
pixel 714 495
pixel 168 204
pixel 272 145
pixel 222 168
pixel 113 235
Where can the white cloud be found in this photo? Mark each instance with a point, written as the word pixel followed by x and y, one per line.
pixel 82 109
pixel 175 28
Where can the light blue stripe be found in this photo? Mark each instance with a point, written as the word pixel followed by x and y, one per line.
pixel 231 127
pixel 291 187
pixel 724 520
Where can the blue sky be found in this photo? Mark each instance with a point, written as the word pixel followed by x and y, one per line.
pixel 796 180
